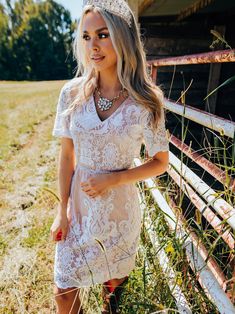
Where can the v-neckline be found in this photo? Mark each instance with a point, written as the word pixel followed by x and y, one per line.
pixel 112 114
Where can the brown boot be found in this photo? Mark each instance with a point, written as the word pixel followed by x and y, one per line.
pixel 111 299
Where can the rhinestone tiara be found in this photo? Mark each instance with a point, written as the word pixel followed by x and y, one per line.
pixel 116 7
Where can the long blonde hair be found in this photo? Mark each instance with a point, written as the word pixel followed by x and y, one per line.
pixel 131 64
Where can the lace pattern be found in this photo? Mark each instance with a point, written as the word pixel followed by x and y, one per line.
pixel 104 232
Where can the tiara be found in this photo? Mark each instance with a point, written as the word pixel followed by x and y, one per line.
pixel 116 7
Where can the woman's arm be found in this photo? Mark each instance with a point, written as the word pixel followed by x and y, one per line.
pixel 156 166
pixel 59 228
pixel 65 171
pixel 97 185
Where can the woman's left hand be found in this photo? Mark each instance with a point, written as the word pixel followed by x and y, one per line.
pixel 99 184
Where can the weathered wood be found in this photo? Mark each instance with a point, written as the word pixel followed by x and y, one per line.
pixel 144 5
pixel 194 8
pixel 175 47
pixel 154 74
pixel 214 78
pixel 134 5
pixel 193 30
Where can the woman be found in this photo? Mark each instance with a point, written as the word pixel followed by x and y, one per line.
pixel 103 117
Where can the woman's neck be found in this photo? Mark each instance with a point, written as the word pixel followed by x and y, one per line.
pixel 109 83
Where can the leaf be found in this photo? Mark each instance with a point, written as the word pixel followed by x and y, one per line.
pixel 169 248
pixel 52 193
pixel 228 81
pixel 101 244
pixel 217 34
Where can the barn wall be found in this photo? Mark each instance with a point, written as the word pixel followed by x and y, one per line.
pixel 165 37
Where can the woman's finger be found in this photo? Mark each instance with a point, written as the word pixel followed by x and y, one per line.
pixel 90 192
pixel 92 196
pixel 95 194
pixel 52 235
pixel 63 236
pixel 86 189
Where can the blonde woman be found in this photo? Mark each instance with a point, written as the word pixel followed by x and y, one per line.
pixel 103 117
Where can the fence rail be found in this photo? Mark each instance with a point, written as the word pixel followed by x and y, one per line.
pixel 209 120
pixel 216 210
pixel 219 56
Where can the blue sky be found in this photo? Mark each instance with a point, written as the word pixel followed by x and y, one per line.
pixel 74 6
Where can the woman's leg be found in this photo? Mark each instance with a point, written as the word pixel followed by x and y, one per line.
pixel 67 300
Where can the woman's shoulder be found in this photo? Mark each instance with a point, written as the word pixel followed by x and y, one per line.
pixel 72 84
pixel 71 87
pixel 138 107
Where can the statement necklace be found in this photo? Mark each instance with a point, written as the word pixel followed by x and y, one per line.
pixel 104 103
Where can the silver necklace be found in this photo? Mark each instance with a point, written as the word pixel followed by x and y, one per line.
pixel 104 103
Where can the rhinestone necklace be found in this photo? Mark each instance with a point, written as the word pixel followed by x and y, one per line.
pixel 104 103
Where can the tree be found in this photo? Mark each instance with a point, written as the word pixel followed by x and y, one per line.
pixel 40 40
pixel 4 44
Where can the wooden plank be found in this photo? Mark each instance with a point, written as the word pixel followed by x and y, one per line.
pixel 134 7
pixel 144 5
pixel 193 8
pixel 214 76
pixel 164 47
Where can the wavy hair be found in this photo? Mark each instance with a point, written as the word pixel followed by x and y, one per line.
pixel 131 64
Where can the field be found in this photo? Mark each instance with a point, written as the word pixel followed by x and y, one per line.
pixel 28 166
pixel 28 179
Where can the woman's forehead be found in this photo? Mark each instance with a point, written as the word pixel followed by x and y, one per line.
pixel 93 21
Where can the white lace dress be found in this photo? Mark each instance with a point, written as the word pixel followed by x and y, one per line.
pixel 104 231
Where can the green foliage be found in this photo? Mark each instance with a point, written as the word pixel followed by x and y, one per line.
pixel 39 234
pixel 228 81
pixel 36 42
pixel 4 42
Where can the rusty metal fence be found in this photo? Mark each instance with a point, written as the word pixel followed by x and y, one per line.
pixel 218 212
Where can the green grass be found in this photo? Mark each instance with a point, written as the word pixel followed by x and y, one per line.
pixel 38 234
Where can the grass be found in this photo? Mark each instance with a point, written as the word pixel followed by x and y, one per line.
pixel 23 107
pixel 38 234
pixel 3 245
pixel 27 210
pixel 27 183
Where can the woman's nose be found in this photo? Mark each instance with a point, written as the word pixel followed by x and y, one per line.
pixel 93 44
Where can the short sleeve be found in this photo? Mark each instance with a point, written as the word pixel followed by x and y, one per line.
pixel 62 123
pixel 155 139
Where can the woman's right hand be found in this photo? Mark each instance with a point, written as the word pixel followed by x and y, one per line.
pixel 60 224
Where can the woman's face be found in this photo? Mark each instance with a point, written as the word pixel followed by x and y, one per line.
pixel 98 45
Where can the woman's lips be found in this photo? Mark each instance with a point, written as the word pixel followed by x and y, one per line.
pixel 98 59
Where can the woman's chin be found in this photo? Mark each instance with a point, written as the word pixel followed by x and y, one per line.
pixel 103 67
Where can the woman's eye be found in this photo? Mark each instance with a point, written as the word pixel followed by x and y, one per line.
pixel 85 37
pixel 102 35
